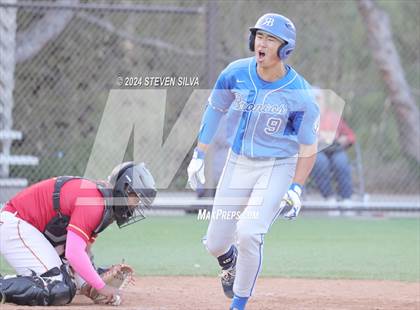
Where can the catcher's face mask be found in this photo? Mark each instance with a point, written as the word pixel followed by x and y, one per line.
pixel 132 209
pixel 134 190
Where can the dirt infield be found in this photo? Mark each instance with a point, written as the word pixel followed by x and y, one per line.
pixel 203 293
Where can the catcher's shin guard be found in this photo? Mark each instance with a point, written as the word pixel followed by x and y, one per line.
pixel 24 290
pixel 41 290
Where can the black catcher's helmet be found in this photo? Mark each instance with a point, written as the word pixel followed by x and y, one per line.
pixel 128 178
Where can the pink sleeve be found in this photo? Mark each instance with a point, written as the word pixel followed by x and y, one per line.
pixel 79 260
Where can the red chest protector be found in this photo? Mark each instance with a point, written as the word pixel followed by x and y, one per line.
pixel 56 229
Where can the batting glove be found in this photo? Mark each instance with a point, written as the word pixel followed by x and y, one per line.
pixel 196 169
pixel 293 202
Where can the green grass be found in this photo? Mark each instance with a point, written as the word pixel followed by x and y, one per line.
pixel 345 248
pixel 384 249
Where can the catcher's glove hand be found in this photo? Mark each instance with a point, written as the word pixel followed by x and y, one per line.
pixel 118 277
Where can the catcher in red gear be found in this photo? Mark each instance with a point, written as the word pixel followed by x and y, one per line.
pixel 50 226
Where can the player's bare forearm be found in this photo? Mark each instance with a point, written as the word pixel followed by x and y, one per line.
pixel 306 161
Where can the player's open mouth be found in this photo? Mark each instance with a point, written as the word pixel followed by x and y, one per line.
pixel 260 55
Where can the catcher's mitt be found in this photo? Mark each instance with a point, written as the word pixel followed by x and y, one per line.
pixel 118 276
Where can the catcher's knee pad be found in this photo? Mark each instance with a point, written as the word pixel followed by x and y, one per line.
pixel 59 292
pixel 40 290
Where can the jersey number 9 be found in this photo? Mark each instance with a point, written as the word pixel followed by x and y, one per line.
pixel 273 125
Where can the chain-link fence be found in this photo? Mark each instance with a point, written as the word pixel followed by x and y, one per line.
pixel 68 55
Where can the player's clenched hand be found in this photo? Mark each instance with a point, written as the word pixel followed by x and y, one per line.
pixel 196 169
pixel 112 295
pixel 292 201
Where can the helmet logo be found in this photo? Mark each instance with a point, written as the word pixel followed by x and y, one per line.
pixel 290 26
pixel 269 21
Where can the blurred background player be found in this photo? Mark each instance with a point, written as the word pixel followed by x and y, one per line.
pixel 58 219
pixel 272 122
pixel 332 162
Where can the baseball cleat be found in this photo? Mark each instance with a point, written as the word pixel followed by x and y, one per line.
pixel 227 277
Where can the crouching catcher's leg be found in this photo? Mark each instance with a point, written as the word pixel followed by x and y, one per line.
pixel 42 290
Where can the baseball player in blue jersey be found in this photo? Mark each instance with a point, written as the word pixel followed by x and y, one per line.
pixel 272 127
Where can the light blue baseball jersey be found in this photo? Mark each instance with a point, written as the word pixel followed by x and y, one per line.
pixel 264 119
